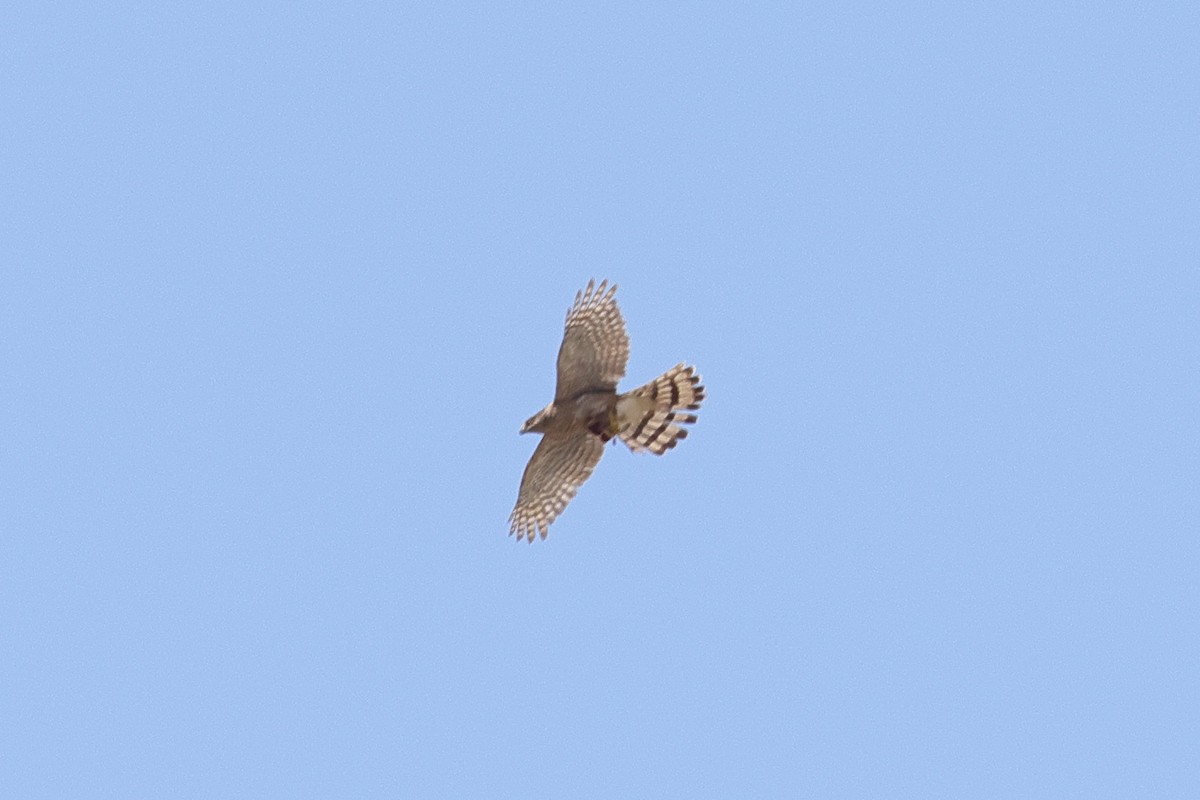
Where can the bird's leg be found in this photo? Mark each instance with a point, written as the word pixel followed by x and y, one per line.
pixel 607 427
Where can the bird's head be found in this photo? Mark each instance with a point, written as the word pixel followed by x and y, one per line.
pixel 538 422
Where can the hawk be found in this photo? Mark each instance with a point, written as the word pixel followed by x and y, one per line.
pixel 587 411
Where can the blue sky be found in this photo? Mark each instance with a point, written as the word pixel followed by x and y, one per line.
pixel 279 284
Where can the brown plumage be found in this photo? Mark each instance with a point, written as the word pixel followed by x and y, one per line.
pixel 587 411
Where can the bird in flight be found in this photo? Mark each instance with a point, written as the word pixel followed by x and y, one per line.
pixel 587 412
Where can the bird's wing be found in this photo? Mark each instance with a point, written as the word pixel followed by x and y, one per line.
pixel 561 463
pixel 595 346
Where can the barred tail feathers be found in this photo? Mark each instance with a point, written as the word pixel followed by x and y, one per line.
pixel 650 417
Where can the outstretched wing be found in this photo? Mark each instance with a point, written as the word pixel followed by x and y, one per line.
pixel 595 346
pixel 558 467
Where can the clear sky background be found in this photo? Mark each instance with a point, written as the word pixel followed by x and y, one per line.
pixel 280 284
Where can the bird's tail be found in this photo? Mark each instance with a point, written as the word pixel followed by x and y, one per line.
pixel 650 417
